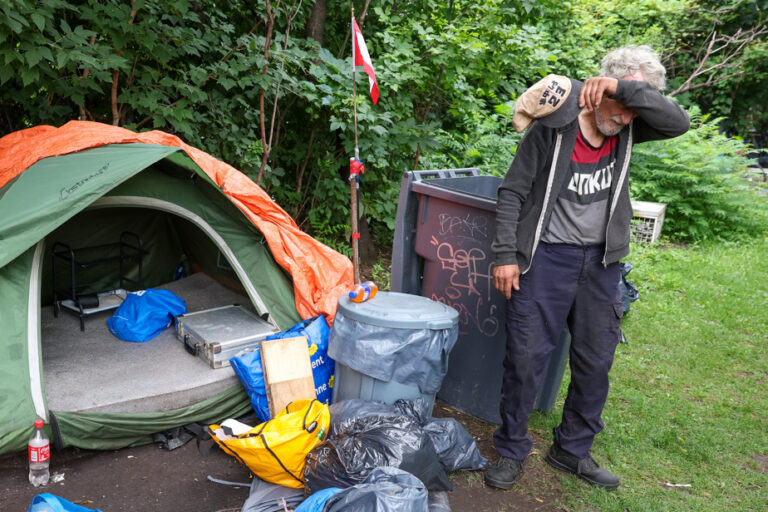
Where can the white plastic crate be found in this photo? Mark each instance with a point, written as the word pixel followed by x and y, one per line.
pixel 647 220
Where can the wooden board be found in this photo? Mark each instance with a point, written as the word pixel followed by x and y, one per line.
pixel 287 371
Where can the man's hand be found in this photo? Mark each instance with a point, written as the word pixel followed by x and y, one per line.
pixel 594 89
pixel 506 277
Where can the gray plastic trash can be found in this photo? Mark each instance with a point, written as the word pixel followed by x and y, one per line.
pixel 392 346
pixel 442 250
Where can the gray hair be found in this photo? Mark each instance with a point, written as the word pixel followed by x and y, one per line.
pixel 631 59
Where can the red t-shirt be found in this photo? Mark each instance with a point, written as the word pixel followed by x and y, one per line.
pixel 581 210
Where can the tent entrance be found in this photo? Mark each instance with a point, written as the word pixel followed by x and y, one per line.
pixel 92 370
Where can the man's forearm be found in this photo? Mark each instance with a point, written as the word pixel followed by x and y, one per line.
pixel 660 117
pixel 507 213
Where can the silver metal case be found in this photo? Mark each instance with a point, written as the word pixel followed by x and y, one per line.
pixel 218 334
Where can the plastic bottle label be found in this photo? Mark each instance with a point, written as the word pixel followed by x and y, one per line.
pixel 363 292
pixel 39 453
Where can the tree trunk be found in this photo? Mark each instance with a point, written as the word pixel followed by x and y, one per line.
pixel 316 22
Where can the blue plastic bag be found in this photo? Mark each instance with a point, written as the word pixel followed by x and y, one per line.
pixel 145 314
pixel 317 332
pixel 49 503
pixel 247 365
pixel 316 502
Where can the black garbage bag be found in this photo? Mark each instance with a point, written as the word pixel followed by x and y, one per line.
pixel 629 292
pixel 346 412
pixel 418 409
pixel 437 501
pixel 369 443
pixel 384 490
pixel 455 446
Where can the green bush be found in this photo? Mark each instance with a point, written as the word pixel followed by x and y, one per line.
pixel 698 176
pixel 490 147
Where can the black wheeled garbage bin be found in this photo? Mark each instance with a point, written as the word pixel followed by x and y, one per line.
pixel 442 250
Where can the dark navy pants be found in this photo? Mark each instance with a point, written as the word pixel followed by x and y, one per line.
pixel 566 285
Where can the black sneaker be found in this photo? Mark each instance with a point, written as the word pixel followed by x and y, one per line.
pixel 586 469
pixel 503 472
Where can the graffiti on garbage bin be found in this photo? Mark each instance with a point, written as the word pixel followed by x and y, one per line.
pixel 484 315
pixel 470 282
pixel 463 265
pixel 469 224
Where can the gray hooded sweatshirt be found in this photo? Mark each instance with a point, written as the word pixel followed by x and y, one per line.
pixel 528 193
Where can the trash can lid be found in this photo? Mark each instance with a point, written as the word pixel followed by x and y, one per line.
pixel 400 310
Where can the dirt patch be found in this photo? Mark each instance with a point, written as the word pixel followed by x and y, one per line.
pixel 762 462
pixel 149 478
pixel 538 489
pixel 145 478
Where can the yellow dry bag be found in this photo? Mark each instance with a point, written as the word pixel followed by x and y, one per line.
pixel 275 450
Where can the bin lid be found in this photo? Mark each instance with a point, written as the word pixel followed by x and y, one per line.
pixel 400 310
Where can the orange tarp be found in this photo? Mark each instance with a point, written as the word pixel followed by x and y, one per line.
pixel 320 274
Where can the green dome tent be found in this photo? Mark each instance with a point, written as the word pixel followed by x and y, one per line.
pixel 84 184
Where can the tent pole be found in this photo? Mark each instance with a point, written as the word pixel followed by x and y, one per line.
pixel 354 182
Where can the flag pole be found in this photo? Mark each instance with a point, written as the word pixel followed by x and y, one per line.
pixel 353 177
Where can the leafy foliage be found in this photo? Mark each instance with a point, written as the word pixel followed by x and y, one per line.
pixel 739 89
pixel 698 176
pixel 248 86
pixel 181 66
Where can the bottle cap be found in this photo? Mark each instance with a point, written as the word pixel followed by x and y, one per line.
pixel 39 423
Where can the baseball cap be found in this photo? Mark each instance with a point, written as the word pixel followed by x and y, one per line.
pixel 554 100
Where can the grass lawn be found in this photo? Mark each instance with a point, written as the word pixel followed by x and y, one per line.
pixel 689 392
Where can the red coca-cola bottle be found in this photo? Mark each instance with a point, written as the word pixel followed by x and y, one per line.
pixel 39 450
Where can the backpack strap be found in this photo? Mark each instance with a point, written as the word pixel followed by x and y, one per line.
pixel 274 455
pixel 201 434
pixel 313 425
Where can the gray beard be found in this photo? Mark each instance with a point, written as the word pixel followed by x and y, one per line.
pixel 604 128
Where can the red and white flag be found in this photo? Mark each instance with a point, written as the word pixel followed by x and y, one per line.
pixel 362 58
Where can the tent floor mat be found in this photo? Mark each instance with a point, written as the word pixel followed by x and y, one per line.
pixel 94 371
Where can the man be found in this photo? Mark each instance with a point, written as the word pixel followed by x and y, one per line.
pixel 562 224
